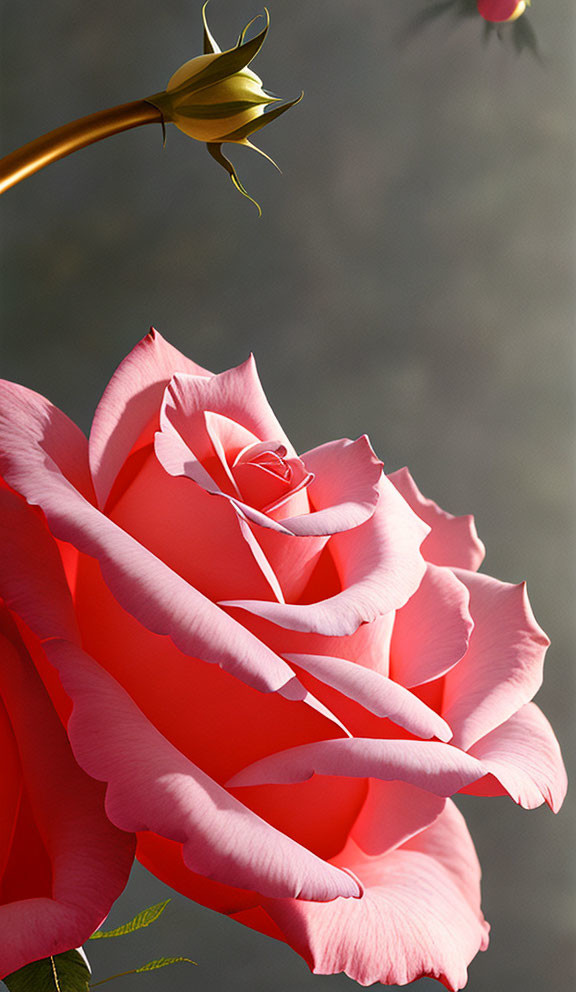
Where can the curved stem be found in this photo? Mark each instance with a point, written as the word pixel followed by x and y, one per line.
pixel 69 138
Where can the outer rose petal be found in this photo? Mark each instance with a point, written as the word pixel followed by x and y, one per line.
pixel 502 668
pixel 376 692
pixel 432 631
pixel 523 754
pixel 452 540
pixel 419 916
pixel 29 566
pixel 10 785
pixel 379 564
pixel 152 786
pixel 60 444
pixel 89 858
pixel 130 401
pixel 438 768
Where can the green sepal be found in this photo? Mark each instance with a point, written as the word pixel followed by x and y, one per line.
pixel 245 30
pixel 259 122
pixel 65 972
pixel 163 102
pixel 142 919
pixel 149 966
pixel 224 65
pixel 211 46
pixel 524 37
pixel 215 150
pixel 215 111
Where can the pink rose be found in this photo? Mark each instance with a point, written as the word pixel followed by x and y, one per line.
pixel 62 863
pixel 501 10
pixel 286 664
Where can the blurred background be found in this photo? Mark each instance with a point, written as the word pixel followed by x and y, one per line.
pixel 412 277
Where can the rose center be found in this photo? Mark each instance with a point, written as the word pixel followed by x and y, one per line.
pixel 273 459
pixel 263 473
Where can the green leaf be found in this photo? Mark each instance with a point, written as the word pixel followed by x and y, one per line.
pixel 62 973
pixel 143 919
pixel 161 963
pixel 149 966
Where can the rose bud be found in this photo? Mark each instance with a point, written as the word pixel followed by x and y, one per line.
pixel 216 98
pixel 287 664
pixel 502 10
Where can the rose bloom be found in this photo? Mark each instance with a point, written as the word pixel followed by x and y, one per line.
pixel 282 666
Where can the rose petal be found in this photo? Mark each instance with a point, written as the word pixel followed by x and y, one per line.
pixel 392 814
pixel 228 438
pixel 452 540
pixel 419 916
pixel 236 394
pixel 90 859
pixel 332 806
pixel 502 668
pixel 376 692
pixel 368 646
pixel 432 631
pixel 152 786
pixel 438 768
pixel 345 488
pixel 60 444
pixel 23 587
pixel 130 401
pixel 163 858
pixel 523 754
pixel 10 785
pixel 379 565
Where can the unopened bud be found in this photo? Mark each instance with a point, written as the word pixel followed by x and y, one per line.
pixel 502 10
pixel 216 98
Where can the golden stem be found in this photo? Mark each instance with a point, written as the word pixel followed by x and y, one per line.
pixel 69 138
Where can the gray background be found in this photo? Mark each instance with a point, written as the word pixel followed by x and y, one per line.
pixel 412 277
